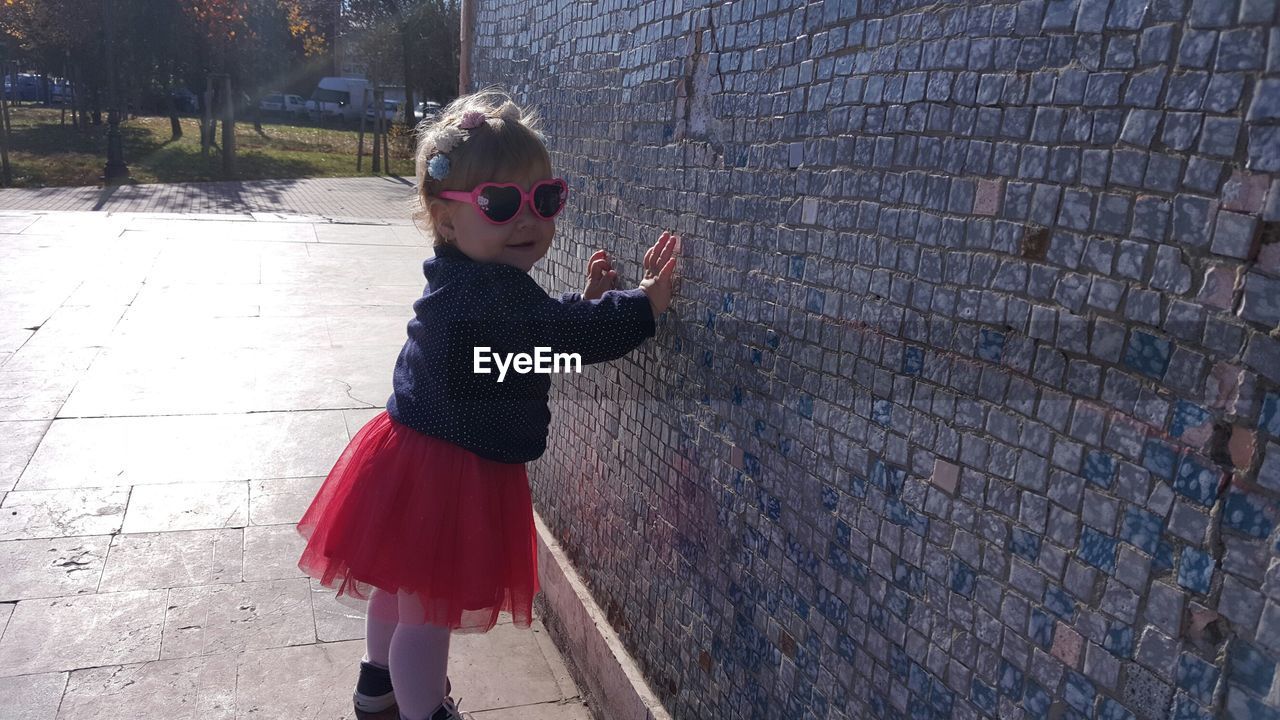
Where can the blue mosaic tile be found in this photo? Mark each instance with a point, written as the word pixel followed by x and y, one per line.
pixel 797 267
pixel 1059 603
pixel 881 412
pixel 1078 692
pixel 843 532
pixel 1141 529
pixel 1119 641
pixel 804 405
pixel 918 681
pixel 1099 468
pixel 1249 668
pixel 755 541
pixel 941 699
pixel 879 705
pixel 798 553
pixel 751 464
pixel 899 663
pixel 908 577
pixel 858 486
pixel 1098 550
pixel 1111 710
pixel 847 648
pixel 737 393
pixel 1010 680
pixel 983 696
pixel 830 498
pixel 1160 458
pixel 815 300
pixel 1184 708
pixel 794 600
pixel 771 506
pixel 899 514
pixel 832 607
pixel 1195 572
pixel 963 578
pixel 1040 628
pixel 1148 354
pixel 990 345
pixel 1247 514
pixel 1025 544
pixel 1270 420
pixel 1187 416
pixel 1197 480
pixel 912 360
pixel 888 478
pixel 772 339
pixel 1036 702
pixel 1197 677
pixel 707 358
pixel 1163 559
pixel 898 603
pixel 748 647
pixel 1244 707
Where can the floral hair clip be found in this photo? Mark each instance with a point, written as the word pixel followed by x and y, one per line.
pixel 444 140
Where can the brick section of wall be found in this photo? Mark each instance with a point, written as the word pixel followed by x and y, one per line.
pixel 968 406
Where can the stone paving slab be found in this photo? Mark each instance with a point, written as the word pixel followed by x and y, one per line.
pixel 32 697
pixel 106 452
pixel 173 390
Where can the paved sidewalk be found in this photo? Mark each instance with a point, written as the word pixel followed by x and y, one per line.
pixel 172 392
pixel 364 197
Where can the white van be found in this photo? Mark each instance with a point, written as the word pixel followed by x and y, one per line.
pixel 338 98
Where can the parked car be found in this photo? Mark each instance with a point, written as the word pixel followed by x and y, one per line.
pixel 61 92
pixel 185 100
pixel 282 103
pixel 391 111
pixel 323 111
pixel 24 86
pixel 429 108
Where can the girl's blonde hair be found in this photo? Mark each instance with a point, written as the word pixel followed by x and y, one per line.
pixel 509 143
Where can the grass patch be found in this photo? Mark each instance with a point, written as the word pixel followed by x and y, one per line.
pixel 44 153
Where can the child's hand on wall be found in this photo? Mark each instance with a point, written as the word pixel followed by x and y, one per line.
pixel 600 276
pixel 659 271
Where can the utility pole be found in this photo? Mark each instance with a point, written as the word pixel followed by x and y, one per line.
pixel 116 170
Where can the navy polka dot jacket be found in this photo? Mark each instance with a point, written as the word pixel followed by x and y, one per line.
pixel 470 304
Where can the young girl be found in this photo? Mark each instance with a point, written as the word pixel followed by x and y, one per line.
pixel 427 512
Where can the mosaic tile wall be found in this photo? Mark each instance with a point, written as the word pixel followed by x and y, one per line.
pixel 969 404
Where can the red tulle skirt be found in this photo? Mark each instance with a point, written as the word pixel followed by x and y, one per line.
pixel 409 513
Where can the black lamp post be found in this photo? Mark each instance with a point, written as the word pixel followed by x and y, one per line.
pixel 116 171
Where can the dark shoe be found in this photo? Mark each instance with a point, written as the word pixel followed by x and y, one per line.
pixel 448 710
pixel 373 690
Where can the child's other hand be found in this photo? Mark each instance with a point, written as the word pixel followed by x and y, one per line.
pixel 600 276
pixel 659 272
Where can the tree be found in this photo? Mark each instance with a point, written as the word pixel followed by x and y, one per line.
pixel 425 48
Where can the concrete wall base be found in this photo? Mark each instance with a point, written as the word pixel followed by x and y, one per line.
pixel 612 679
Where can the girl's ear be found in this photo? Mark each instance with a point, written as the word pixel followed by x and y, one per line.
pixel 442 219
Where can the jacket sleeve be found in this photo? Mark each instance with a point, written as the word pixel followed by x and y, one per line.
pixel 570 297
pixel 598 330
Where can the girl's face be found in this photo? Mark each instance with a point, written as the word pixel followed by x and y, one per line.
pixel 520 243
